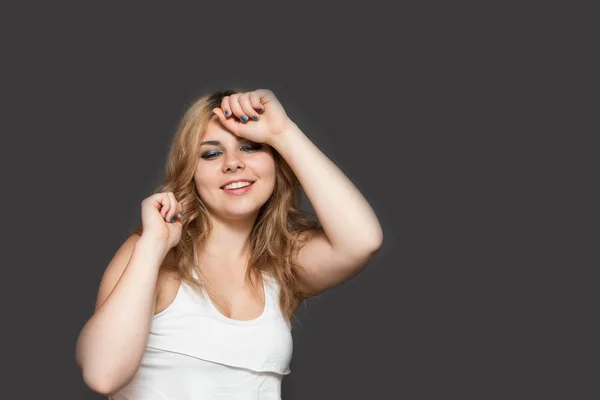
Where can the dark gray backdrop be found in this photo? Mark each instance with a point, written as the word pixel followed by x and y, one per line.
pixel 451 120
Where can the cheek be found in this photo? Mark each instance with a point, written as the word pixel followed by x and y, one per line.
pixel 269 169
pixel 203 179
pixel 265 166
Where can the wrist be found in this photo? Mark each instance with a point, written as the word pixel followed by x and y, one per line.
pixel 289 130
pixel 153 245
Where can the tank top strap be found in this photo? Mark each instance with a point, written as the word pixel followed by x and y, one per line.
pixel 271 291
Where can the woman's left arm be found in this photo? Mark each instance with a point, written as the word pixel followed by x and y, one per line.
pixel 351 233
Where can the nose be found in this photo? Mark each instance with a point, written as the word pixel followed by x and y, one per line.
pixel 232 163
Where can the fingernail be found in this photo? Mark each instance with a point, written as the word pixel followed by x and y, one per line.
pixel 181 213
pixel 255 118
pixel 261 110
pixel 244 118
pixel 172 219
pixel 226 112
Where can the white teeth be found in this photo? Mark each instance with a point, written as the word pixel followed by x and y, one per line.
pixel 237 185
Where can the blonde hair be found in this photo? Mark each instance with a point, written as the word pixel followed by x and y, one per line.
pixel 276 236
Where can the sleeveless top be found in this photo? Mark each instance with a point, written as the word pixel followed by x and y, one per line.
pixel 195 352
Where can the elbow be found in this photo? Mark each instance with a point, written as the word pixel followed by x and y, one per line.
pixel 101 377
pixel 102 381
pixel 365 245
pixel 363 250
pixel 373 241
pixel 98 384
pixel 374 246
pixel 106 383
pixel 92 375
pixel 379 239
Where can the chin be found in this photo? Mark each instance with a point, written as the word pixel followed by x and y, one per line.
pixel 248 208
pixel 240 207
pixel 239 215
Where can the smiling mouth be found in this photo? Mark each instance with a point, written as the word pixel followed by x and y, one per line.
pixel 239 188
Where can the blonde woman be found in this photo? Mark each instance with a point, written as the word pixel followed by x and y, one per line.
pixel 197 302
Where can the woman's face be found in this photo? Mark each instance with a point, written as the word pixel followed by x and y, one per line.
pixel 229 157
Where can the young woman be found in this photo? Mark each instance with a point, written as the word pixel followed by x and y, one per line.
pixel 197 302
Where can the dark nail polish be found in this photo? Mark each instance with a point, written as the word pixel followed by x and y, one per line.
pixel 226 112
pixel 255 118
pixel 181 213
pixel 172 219
pixel 261 110
pixel 244 118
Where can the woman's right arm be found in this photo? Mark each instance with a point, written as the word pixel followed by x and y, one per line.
pixel 111 344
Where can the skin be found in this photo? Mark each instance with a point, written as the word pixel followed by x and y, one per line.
pixel 350 234
pixel 232 216
pixel 349 238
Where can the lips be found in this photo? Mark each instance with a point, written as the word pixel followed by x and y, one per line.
pixel 237 181
pixel 238 191
pixel 239 188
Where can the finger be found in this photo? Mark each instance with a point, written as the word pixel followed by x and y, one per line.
pixel 180 211
pixel 225 106
pixel 236 109
pixel 250 112
pixel 173 209
pixel 166 204
pixel 265 95
pixel 255 102
pixel 229 123
pixel 167 207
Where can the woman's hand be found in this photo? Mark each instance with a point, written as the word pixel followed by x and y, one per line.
pixel 162 218
pixel 257 116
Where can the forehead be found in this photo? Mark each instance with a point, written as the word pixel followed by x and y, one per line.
pixel 214 129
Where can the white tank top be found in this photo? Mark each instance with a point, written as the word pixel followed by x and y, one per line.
pixel 195 352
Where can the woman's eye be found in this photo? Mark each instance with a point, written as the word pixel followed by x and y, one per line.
pixel 251 147
pixel 255 146
pixel 208 156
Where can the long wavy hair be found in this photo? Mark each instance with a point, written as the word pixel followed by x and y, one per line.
pixel 277 234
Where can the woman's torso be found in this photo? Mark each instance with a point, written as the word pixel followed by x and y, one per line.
pixel 196 352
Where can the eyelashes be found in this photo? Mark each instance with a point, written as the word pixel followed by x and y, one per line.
pixel 213 154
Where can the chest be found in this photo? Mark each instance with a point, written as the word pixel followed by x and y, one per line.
pixel 233 298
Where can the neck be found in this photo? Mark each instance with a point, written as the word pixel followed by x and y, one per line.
pixel 228 244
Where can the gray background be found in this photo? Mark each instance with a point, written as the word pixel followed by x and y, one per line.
pixel 462 126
